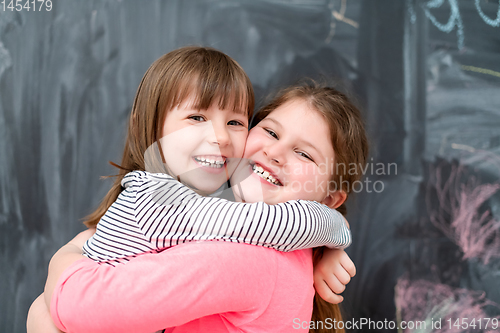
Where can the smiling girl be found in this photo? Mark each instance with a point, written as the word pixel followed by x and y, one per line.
pixel 289 145
pixel 305 134
pixel 224 287
pixel 203 108
pixel 202 133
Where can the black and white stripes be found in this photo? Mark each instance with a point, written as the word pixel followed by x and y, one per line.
pixel 155 211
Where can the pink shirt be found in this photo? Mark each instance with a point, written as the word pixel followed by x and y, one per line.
pixel 193 287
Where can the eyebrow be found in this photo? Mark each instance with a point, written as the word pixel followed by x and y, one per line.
pixel 274 121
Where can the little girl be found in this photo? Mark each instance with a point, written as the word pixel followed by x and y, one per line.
pixel 165 96
pixel 203 105
pixel 223 287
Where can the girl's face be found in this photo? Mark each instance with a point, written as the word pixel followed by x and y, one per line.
pixel 289 157
pixel 202 147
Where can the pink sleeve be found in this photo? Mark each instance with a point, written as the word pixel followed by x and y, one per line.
pixel 156 291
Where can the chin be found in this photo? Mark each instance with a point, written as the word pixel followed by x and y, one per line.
pixel 252 198
pixel 206 181
pixel 207 190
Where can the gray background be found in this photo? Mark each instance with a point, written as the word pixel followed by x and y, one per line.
pixel 425 73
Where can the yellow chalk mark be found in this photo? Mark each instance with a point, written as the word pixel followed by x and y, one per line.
pixel 480 70
pixel 340 15
pixel 344 19
pixel 463 147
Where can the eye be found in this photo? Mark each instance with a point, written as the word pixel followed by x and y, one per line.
pixel 235 123
pixel 301 153
pixel 271 133
pixel 197 118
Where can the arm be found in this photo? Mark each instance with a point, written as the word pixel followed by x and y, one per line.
pixel 331 273
pixel 155 212
pixel 173 214
pixel 62 259
pixel 220 277
pixel 39 320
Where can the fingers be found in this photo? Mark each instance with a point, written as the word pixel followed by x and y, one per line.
pixel 341 276
pixel 332 273
pixel 343 271
pixel 327 294
pixel 334 284
pixel 329 286
pixel 348 265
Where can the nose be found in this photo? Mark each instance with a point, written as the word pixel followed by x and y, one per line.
pixel 221 138
pixel 275 153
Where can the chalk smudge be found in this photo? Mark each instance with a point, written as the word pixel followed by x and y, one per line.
pixel 425 301
pixel 458 216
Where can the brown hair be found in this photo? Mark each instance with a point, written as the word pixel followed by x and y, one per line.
pixel 350 145
pixel 206 74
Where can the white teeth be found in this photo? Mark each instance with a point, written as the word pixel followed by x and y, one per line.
pixel 210 162
pixel 265 175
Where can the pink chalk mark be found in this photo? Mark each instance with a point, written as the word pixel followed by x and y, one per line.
pixel 426 301
pixel 477 235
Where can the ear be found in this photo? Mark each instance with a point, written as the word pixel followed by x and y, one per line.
pixel 334 199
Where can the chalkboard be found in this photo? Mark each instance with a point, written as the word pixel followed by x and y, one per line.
pixel 426 75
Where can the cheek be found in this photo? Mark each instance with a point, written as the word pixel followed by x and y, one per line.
pixel 172 124
pixel 303 171
pixel 239 141
pixel 180 145
pixel 309 183
pixel 255 142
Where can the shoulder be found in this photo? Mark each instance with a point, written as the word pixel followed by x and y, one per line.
pixel 143 182
pixel 139 177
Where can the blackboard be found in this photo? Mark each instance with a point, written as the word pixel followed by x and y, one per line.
pixel 426 75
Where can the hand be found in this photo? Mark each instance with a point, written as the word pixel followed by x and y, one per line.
pixel 331 274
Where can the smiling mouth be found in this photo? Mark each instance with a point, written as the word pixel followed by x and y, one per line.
pixel 259 171
pixel 210 161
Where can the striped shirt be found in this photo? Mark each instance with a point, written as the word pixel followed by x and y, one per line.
pixel 154 211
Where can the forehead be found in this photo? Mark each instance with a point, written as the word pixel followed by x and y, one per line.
pixel 297 112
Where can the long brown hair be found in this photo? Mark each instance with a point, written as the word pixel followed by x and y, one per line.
pixel 206 74
pixel 350 145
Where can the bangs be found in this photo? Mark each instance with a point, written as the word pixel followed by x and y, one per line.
pixel 222 83
pixel 227 94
